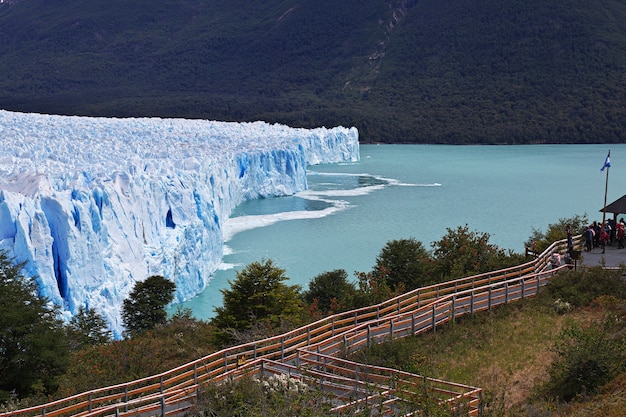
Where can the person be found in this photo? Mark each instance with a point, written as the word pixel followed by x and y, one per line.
pixel 604 238
pixel 555 260
pixel 596 234
pixel 570 240
pixel 620 234
pixel 589 235
pixel 610 229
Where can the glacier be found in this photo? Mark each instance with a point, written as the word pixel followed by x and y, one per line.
pixel 93 205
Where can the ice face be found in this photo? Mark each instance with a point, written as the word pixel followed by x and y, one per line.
pixel 94 205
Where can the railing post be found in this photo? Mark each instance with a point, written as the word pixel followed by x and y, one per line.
pixel 368 336
pixel 282 348
pixel 413 324
pixel 162 406
pixel 434 323
pixel 90 402
pixel 308 335
pixel 391 329
pixel 195 373
pixel 161 384
pixel 398 306
pixel 126 398
pixel 489 300
pixel 318 355
pixel 523 287
pixel 255 351
pixel 453 314
pixel 419 298
pixel 538 285
pixel 472 302
pixel 506 293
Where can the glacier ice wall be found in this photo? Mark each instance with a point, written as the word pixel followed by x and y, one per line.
pixel 94 205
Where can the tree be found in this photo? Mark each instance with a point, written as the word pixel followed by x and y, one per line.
pixel 257 297
pixel 33 347
pixel 406 261
pixel 556 231
pixel 88 328
pixel 373 287
pixel 331 292
pixel 145 306
pixel 462 253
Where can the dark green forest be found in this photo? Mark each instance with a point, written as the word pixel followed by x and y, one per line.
pixel 401 71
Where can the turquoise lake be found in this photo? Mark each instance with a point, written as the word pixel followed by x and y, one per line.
pixel 401 191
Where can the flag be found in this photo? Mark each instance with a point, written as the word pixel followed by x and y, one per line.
pixel 607 162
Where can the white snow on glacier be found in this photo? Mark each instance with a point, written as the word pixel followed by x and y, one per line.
pixel 94 205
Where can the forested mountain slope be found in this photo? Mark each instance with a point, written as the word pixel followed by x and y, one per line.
pixel 426 71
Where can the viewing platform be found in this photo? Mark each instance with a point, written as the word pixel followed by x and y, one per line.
pixel 611 258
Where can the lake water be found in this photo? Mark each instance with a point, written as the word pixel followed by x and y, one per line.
pixel 401 191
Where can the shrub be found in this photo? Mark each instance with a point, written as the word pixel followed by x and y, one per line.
pixel 580 288
pixel 562 307
pixel 277 396
pixel 587 358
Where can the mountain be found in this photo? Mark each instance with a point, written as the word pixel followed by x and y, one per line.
pixel 427 71
pixel 94 205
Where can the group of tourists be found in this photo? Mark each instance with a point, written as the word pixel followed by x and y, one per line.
pixel 605 234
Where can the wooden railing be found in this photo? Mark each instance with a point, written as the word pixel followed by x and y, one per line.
pixel 317 347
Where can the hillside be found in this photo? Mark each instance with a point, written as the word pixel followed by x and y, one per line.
pixel 421 71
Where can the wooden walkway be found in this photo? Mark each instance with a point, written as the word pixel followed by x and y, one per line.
pixel 315 353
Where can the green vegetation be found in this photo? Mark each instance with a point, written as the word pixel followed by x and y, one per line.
pixel 330 292
pixel 88 328
pixel 406 262
pixel 460 72
pixel 282 396
pixel 278 396
pixel 257 300
pixel 164 347
pixel 462 253
pixel 33 348
pixel 145 306
pixel 540 240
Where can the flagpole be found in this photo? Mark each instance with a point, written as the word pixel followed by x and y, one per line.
pixel 606 189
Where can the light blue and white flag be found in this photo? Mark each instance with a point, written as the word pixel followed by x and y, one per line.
pixel 607 162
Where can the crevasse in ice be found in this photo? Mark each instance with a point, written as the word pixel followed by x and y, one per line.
pixel 93 205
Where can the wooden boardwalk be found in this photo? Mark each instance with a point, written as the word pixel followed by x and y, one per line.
pixel 315 353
